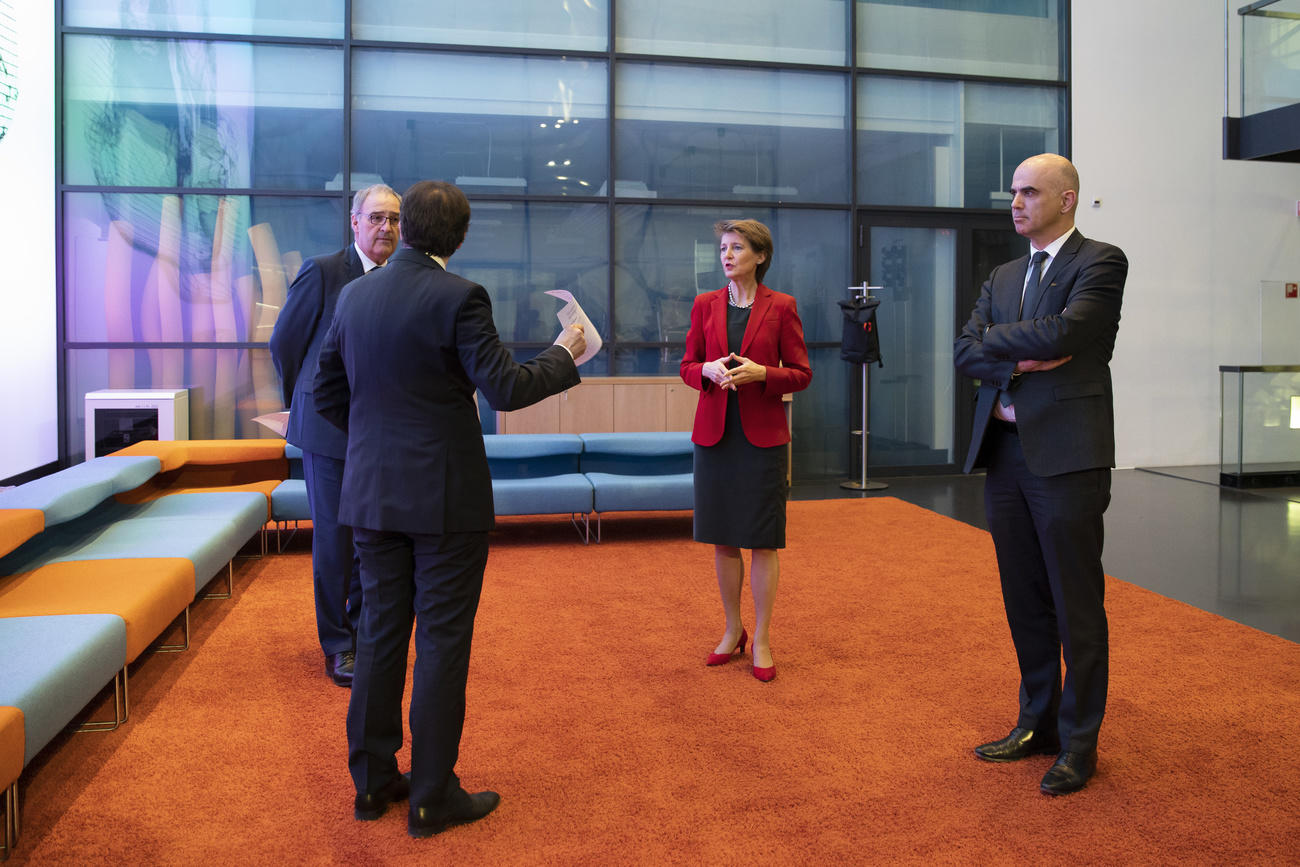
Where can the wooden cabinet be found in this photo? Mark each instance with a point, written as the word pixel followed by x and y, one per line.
pixel 605 404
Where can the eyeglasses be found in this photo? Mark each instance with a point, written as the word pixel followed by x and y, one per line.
pixel 377 219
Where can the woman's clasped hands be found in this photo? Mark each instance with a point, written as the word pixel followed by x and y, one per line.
pixel 745 371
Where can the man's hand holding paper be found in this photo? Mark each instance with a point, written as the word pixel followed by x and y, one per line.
pixel 583 340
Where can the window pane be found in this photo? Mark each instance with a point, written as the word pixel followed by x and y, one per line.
pixel 162 113
pixel 949 143
pixel 1011 38
pixel 155 268
pixel 912 395
pixel 490 125
pixel 820 438
pixel 519 251
pixel 666 255
pixel 228 387
pixel 810 31
pixel 748 134
pixel 580 25
pixel 322 19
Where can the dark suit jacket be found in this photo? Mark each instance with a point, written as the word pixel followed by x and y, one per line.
pixel 773 336
pixel 295 346
pixel 398 369
pixel 1065 416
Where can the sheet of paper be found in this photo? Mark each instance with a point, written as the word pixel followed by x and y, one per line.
pixel 276 421
pixel 572 312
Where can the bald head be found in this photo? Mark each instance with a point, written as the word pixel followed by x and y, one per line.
pixel 1045 193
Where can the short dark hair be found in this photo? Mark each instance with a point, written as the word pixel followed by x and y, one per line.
pixel 435 217
pixel 755 234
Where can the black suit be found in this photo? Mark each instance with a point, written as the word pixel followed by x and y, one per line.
pixel 295 344
pixel 398 370
pixel 1048 481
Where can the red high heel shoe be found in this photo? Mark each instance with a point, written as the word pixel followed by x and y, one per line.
pixel 720 658
pixel 765 674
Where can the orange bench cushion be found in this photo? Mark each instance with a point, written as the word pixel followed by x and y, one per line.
pixel 13 743
pixel 176 453
pixel 19 525
pixel 147 593
pixel 188 481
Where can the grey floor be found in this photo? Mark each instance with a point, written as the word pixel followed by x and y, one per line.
pixel 1172 530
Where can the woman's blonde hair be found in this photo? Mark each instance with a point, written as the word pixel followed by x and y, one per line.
pixel 755 234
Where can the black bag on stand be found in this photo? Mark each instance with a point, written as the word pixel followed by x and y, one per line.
pixel 860 343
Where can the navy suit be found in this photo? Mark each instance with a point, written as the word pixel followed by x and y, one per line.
pixel 1048 482
pixel 295 345
pixel 398 370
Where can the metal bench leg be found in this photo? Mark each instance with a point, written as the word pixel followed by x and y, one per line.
pixel 177 648
pixel 230 584
pixel 121 707
pixel 584 529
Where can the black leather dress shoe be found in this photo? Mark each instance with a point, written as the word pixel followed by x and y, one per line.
pixel 339 666
pixel 1070 773
pixel 1020 744
pixel 424 822
pixel 369 806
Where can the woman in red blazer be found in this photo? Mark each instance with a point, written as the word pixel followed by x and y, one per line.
pixel 744 350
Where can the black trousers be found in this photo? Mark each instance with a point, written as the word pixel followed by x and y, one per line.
pixel 434 583
pixel 1048 533
pixel 335 575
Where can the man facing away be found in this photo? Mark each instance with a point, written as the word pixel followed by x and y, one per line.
pixel 408 347
pixel 295 345
pixel 1040 341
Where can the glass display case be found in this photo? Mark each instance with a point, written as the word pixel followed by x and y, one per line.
pixel 1259 425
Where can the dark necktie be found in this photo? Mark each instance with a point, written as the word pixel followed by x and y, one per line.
pixel 1030 298
pixel 1027 302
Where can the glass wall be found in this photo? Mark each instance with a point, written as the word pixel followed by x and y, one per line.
pixel 598 142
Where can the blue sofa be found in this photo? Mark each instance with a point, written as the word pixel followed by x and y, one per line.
pixel 578 475
pixel 585 474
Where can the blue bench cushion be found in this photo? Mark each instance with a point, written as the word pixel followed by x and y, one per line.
pixel 54 666
pixel 568 493
pixel 530 456
pixel 648 454
pixel 615 492
pixel 207 529
pixel 289 501
pixel 73 492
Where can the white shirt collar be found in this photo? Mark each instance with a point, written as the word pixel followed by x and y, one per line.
pixel 1055 247
pixel 367 264
pixel 441 261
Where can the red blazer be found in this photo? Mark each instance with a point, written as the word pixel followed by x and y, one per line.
pixel 774 336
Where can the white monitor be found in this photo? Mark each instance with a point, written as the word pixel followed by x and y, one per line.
pixel 117 417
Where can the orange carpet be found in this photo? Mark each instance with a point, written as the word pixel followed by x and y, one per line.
pixel 591 712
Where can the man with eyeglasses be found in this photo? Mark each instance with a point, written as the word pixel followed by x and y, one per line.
pixel 295 345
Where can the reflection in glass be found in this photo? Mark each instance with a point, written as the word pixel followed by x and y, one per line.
pixel 949 143
pixel 666 255
pixel 821 422
pixel 322 19
pixel 519 251
pixel 163 113
pixel 227 387
pixel 912 395
pixel 1007 38
pixel 163 268
pixel 508 125
pixel 775 31
pixel 578 25
pixel 749 134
